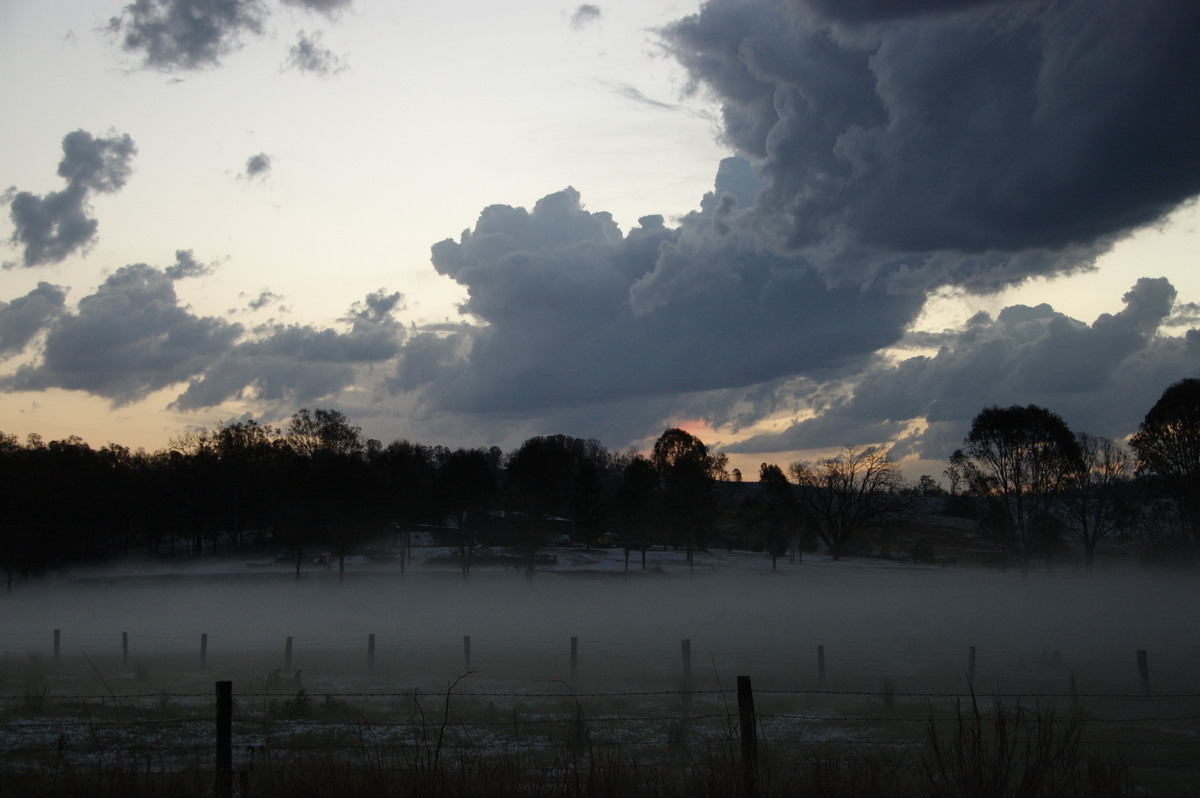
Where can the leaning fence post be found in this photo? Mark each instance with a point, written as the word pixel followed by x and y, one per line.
pixel 224 776
pixel 1144 671
pixel 749 737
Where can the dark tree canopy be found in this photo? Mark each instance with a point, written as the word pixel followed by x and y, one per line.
pixel 1167 446
pixel 1018 458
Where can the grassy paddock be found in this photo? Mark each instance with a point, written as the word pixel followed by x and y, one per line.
pixel 886 727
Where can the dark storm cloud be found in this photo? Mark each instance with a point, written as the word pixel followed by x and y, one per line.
pixel 887 150
pixel 865 10
pixel 257 167
pixel 576 313
pixel 986 129
pixel 126 340
pixel 584 15
pixel 1102 377
pixel 301 363
pixel 171 35
pixel 54 226
pixel 23 318
pixel 307 55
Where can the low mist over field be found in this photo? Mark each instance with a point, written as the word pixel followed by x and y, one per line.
pixel 733 606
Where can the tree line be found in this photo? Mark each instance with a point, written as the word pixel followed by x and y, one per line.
pixel 1027 481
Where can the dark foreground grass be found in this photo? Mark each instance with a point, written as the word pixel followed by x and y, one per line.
pixel 997 751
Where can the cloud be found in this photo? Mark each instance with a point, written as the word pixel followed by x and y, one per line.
pixel 129 338
pixel 939 142
pixel 54 226
pixel 307 55
pixel 572 312
pixel 264 299
pixel 171 35
pixel 133 337
pixel 1102 377
pixel 330 8
pixel 584 15
pixel 636 95
pixel 258 167
pixel 186 265
pixel 23 318
pixel 301 363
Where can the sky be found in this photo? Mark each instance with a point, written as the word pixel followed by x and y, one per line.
pixel 784 225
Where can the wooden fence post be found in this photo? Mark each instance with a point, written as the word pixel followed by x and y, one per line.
pixel 287 654
pixel 749 737
pixel 1143 671
pixel 125 649
pixel 224 776
pixel 467 652
pixel 971 665
pixel 203 650
pixel 821 662
pixel 574 659
pixel 371 651
pixel 685 650
pixel 57 645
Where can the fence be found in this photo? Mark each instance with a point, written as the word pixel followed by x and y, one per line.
pixel 267 720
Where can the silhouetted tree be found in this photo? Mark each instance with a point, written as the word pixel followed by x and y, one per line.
pixel 1167 446
pixel 1018 459
pixel 775 511
pixel 555 476
pixel 844 495
pixel 686 470
pixel 1096 493
pixel 638 505
pixel 331 491
pixel 466 484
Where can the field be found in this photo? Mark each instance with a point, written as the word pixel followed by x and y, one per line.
pixel 585 678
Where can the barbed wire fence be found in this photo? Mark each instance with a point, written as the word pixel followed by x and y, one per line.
pixel 266 723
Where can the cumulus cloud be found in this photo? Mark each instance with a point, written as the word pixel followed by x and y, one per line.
pixel 572 312
pixel 128 339
pixel 584 15
pixel 301 363
pixel 258 167
pixel 133 336
pixel 22 319
pixel 309 56
pixel 53 226
pixel 937 140
pixel 1101 377
pixel 180 35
